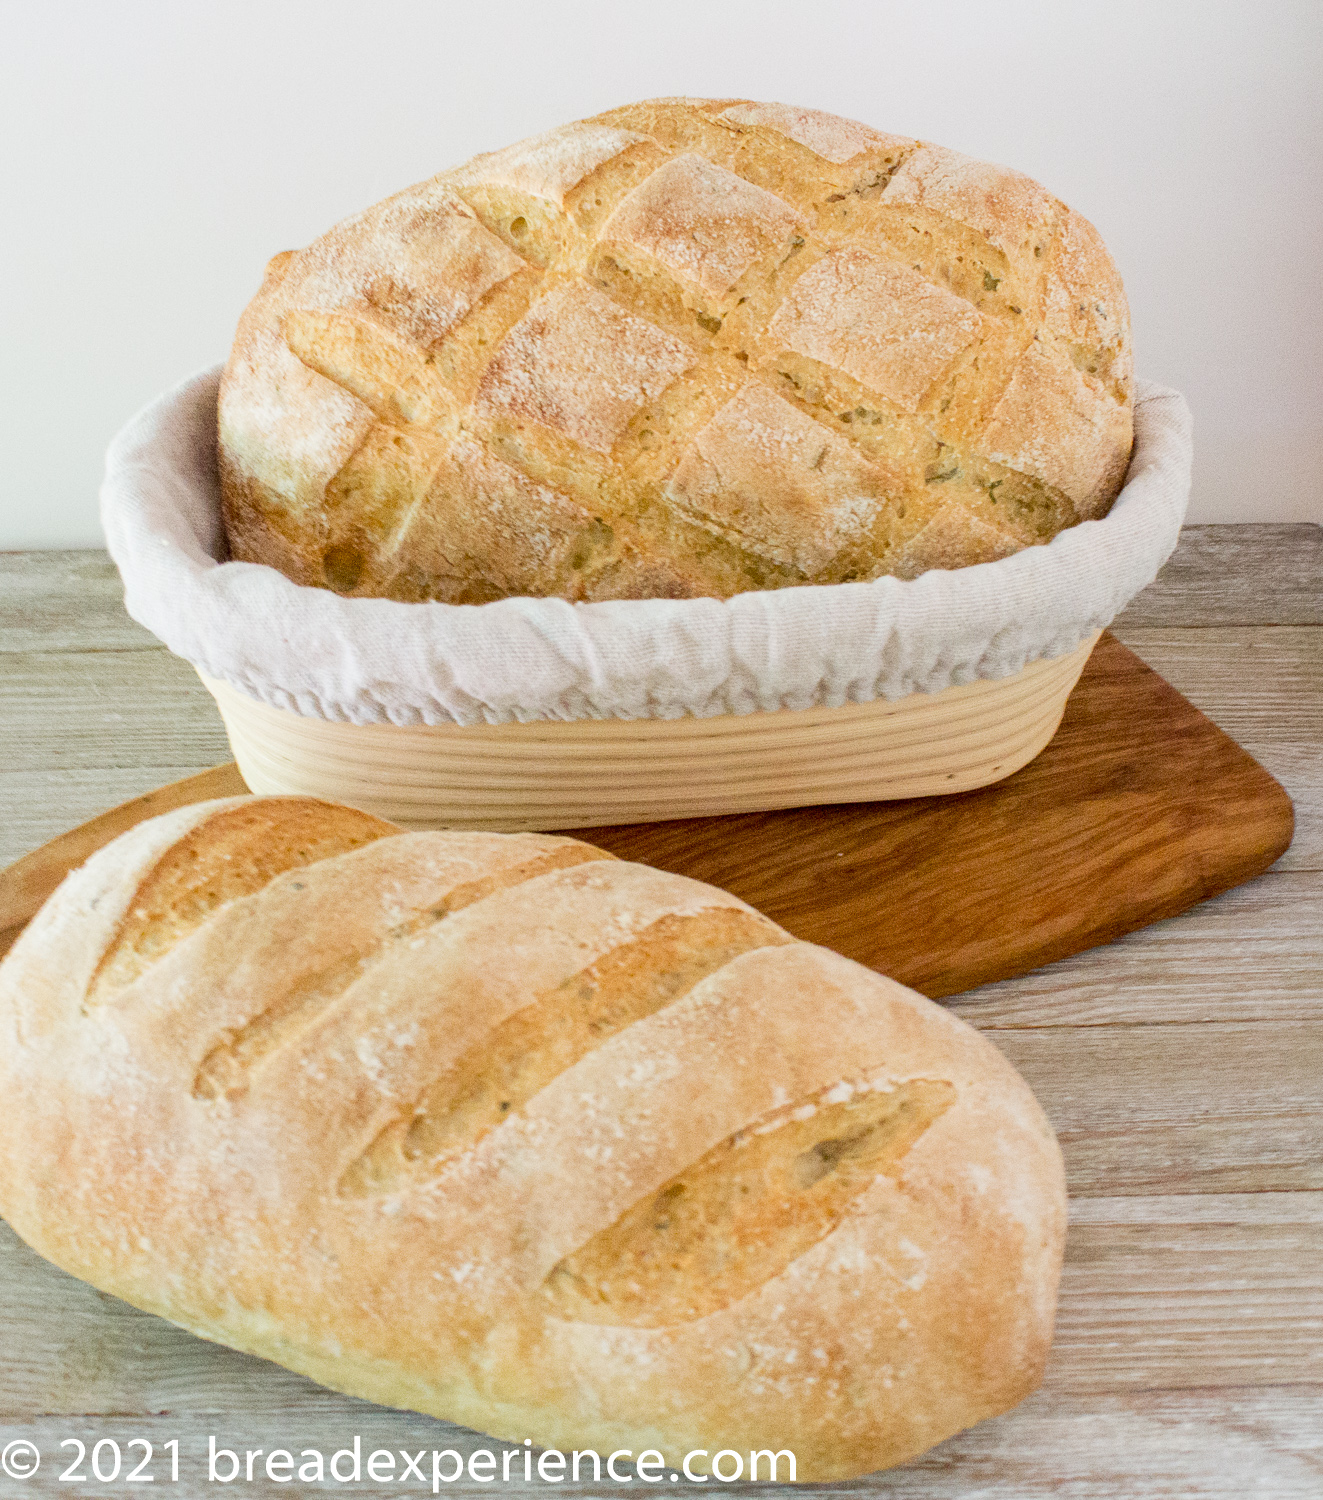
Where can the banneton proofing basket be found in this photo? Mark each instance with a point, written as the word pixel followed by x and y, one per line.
pixel 539 714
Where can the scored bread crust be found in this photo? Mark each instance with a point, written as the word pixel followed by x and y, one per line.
pixel 505 1130
pixel 688 347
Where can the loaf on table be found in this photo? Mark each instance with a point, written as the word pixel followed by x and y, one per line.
pixel 688 347
pixel 503 1129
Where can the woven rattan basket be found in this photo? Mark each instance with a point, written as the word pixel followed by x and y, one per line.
pixel 536 714
pixel 595 772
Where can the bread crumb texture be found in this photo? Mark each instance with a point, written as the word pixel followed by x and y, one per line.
pixel 503 1129
pixel 688 348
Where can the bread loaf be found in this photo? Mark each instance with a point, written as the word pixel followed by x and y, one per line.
pixel 688 347
pixel 500 1128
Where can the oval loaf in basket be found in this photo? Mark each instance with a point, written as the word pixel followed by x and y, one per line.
pixel 500 1128
pixel 689 347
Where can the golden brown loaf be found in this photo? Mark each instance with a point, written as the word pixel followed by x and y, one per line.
pixel 503 1129
pixel 688 347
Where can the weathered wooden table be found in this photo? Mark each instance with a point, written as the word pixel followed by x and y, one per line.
pixel 1182 1068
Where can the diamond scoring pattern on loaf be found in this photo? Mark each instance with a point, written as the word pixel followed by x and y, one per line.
pixel 727 345
pixel 703 223
pixel 426 263
pixel 894 331
pixel 829 136
pixel 786 487
pixel 551 165
pixel 580 364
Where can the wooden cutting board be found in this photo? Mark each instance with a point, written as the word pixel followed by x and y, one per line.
pixel 1139 808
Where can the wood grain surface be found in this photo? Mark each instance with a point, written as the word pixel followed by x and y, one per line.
pixel 1180 1064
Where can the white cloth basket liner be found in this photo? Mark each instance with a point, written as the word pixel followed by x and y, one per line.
pixel 375 661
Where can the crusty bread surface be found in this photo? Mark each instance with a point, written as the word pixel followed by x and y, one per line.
pixel 503 1129
pixel 687 347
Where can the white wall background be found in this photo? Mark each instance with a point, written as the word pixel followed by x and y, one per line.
pixel 154 153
